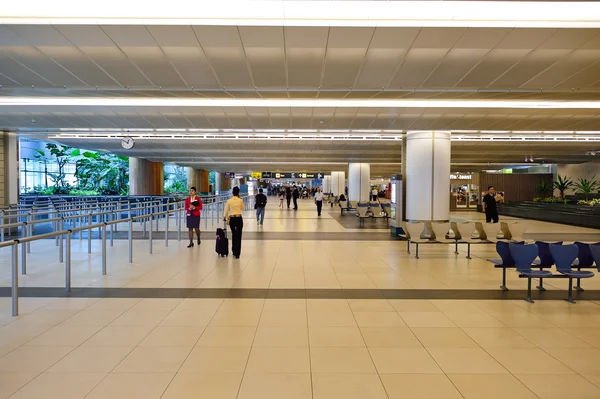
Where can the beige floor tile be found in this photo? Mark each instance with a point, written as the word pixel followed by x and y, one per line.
pixel 589 335
pixel 551 338
pixel 212 359
pixel 475 319
pixel 370 305
pixel 285 318
pixel 426 319
pixel 188 318
pixel 140 318
pixel 379 319
pixel 338 360
pixel 227 336
pixel 243 304
pixel 173 336
pixel 331 318
pixel 157 304
pixel 91 359
pixel 456 306
pixel 497 338
pixel 520 319
pixel 65 336
pixel 560 386
pixel 132 386
pixel 347 386
pixel 400 337
pixel 70 303
pixel 593 378
pixel 281 336
pixel 276 386
pixel 121 304
pixel 118 336
pixel 274 305
pixel 278 360
pixel 48 316
pixel 236 318
pixel 403 360
pixel 87 318
pixel 12 382
pixel 32 359
pixel 335 336
pixel 60 385
pixel 444 338
pixel 327 305
pixel 580 360
pixel 490 386
pixel 194 385
pixel 200 304
pixel 419 386
pixel 160 359
pixel 413 306
pixel 466 361
pixel 528 361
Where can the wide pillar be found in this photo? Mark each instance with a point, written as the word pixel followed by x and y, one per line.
pixel 327 184
pixel 146 177
pixel 9 169
pixel 203 180
pixel 427 176
pixel 223 182
pixel 359 178
pixel 338 183
pixel 192 178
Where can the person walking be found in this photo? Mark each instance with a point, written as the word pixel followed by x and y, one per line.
pixel 319 201
pixel 193 206
pixel 288 195
pixel 281 195
pixel 261 203
pixel 233 213
pixel 296 195
pixel 489 206
pixel 374 193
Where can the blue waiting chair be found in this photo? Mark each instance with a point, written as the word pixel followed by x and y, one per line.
pixel 564 255
pixel 506 259
pixel 523 256
pixel 584 259
pixel 545 258
pixel 595 252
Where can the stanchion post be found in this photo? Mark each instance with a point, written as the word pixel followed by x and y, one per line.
pixel 150 235
pixel 68 263
pixel 29 228
pixel 15 279
pixel 180 222
pixel 130 239
pixel 104 250
pixel 89 231
pixel 167 229
pixel 112 230
pixel 60 242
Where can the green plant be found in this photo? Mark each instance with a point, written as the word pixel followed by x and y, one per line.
pixel 593 202
pixel 83 192
pixel 562 184
pixel 107 174
pixel 63 155
pixel 179 182
pixel 537 199
pixel 544 189
pixel 585 186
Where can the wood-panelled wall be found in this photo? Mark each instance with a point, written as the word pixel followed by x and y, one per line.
pixel 146 177
pixel 516 187
pixel 202 177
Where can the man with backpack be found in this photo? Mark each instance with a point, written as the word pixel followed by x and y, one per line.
pixel 261 203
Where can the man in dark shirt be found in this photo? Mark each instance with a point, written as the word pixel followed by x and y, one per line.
pixel 296 195
pixel 261 202
pixel 489 206
pixel 288 195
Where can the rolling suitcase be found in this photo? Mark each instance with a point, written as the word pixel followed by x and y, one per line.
pixel 222 246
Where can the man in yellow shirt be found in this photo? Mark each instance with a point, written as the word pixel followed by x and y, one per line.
pixel 233 211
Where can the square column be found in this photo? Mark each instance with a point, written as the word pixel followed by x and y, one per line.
pixel 146 177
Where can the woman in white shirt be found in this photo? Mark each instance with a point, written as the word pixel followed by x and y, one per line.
pixel 233 211
pixel 319 200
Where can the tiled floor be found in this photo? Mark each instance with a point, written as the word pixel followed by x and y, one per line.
pixel 243 348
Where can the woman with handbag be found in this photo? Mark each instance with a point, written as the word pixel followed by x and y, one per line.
pixel 193 206
pixel 233 214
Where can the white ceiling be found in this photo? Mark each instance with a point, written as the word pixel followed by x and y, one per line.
pixel 302 62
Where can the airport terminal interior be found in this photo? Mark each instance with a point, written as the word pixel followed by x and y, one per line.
pixel 418 182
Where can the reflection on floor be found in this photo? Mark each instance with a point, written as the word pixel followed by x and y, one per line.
pixel 292 346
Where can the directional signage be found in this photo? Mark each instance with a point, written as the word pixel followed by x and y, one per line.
pixel 291 175
pixel 267 175
pixel 256 175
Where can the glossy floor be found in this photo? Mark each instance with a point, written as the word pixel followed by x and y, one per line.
pixel 184 347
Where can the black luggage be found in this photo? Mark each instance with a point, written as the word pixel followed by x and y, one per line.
pixel 222 246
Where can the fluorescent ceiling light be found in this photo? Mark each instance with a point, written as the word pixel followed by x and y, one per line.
pixel 508 14
pixel 299 103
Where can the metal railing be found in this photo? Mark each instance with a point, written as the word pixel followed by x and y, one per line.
pixel 63 237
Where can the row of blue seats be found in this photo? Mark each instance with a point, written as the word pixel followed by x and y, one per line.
pixel 543 255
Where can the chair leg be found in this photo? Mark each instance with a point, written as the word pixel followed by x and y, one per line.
pixel 468 250
pixel 417 253
pixel 541 286
pixel 528 299
pixel 408 246
pixel 456 247
pixel 578 286
pixel 503 286
pixel 569 298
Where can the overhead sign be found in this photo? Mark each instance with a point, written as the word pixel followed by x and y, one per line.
pixel 460 177
pixel 256 175
pixel 267 175
pixel 230 175
pixel 291 175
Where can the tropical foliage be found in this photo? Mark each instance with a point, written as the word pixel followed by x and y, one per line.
pixel 61 155
pixel 586 187
pixel 178 180
pixel 562 184
pixel 550 200
pixel 544 189
pixel 104 173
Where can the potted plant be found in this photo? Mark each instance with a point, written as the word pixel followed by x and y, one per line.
pixel 585 186
pixel 544 189
pixel 562 184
